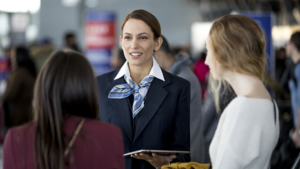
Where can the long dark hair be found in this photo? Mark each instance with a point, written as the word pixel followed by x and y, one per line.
pixel 66 85
pixel 23 60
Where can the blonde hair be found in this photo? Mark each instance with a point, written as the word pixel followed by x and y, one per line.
pixel 238 44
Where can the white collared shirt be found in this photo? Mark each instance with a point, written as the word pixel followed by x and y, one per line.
pixel 155 71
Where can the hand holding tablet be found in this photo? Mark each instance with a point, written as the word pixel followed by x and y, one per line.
pixel 154 159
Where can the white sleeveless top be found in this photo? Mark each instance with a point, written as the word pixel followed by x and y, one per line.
pixel 246 135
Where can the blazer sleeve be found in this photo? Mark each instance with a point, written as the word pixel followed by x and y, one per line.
pixel 9 160
pixel 181 132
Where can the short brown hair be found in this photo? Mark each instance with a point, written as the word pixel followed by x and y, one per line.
pixel 146 17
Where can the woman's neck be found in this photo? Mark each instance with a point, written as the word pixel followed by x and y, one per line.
pixel 138 73
pixel 246 85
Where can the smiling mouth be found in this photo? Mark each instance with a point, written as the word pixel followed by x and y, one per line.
pixel 135 54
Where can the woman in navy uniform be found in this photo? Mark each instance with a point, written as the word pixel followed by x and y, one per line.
pixel 150 105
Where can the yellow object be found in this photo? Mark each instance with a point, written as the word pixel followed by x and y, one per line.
pixel 190 165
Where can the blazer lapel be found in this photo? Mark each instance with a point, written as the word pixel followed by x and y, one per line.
pixel 122 110
pixel 155 97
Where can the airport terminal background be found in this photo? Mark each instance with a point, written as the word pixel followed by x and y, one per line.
pixel 92 27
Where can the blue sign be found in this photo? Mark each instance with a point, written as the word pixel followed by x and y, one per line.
pixel 100 39
pixel 101 16
pixel 265 21
pixel 100 60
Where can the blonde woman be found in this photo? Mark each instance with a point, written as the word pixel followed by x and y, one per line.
pixel 249 128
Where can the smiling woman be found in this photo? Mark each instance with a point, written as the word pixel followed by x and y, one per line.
pixel 138 43
pixel 141 37
pixel 150 105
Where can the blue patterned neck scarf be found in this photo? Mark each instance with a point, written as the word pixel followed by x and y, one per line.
pixel 124 90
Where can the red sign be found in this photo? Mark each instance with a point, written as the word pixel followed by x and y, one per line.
pixel 3 66
pixel 99 35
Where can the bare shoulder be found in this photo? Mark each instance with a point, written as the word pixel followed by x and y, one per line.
pixel 259 91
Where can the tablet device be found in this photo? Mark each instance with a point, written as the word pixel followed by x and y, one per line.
pixel 159 152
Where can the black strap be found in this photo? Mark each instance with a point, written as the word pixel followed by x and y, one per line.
pixel 275 126
pixel 274 111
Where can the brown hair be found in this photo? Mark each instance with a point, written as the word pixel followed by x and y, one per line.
pixel 295 38
pixel 146 17
pixel 238 44
pixel 65 86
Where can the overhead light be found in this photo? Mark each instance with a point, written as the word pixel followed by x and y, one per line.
pixel 31 32
pixel 200 32
pixel 70 3
pixel 4 22
pixel 281 33
pixel 5 41
pixel 22 6
pixel 19 22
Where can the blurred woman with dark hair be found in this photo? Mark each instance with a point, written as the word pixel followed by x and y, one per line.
pixel 65 133
pixel 19 92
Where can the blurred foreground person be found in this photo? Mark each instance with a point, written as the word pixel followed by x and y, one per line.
pixel 248 129
pixel 65 133
pixel 280 63
pixel 179 65
pixel 296 134
pixel 293 51
pixel 71 42
pixel 284 72
pixel 118 59
pixel 41 52
pixel 202 72
pixel 8 54
pixel 19 91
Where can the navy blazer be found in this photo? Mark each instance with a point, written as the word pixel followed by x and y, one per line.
pixel 164 122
